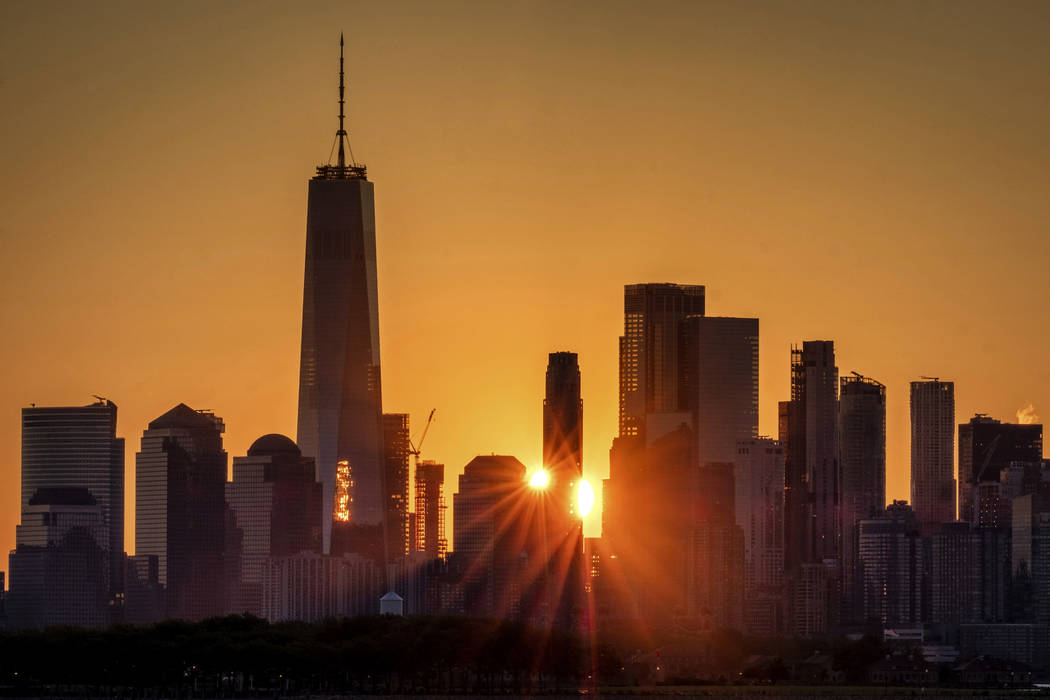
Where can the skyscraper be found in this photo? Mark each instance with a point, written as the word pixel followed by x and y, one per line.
pixel 719 367
pixel 716 562
pixel 180 477
pixel 650 377
pixel 563 460
pixel 489 519
pixel 890 556
pixel 275 503
pixel 760 513
pixel 430 509
pixel 986 448
pixel 339 379
pixel 862 472
pixel 78 447
pixel 809 433
pixel 396 449
pixel 933 453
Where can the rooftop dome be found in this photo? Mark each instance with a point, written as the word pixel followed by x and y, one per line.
pixel 273 444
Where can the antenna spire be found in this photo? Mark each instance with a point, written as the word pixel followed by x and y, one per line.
pixel 341 134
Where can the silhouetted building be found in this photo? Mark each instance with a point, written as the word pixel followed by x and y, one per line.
pixel 809 433
pixel 986 447
pixel 396 449
pixel 862 474
pixel 760 513
pixel 1030 554
pixel 275 503
pixel 649 518
pixel 491 519
pixel 339 379
pixel 430 509
pixel 144 596
pixel 933 453
pixel 180 476
pixel 719 366
pixel 563 461
pixel 60 565
pixel 716 568
pixel 889 561
pixel 650 373
pixel 311 587
pixel 78 447
pixel 810 437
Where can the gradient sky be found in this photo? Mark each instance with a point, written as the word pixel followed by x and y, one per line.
pixel 872 173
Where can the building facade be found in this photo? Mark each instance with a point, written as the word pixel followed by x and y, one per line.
pixel 719 366
pixel 933 453
pixel 340 397
pixel 396 450
pixel 180 478
pixel 759 512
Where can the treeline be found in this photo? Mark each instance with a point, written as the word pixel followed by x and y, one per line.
pixel 243 655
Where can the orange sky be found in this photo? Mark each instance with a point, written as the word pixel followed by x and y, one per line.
pixel 872 173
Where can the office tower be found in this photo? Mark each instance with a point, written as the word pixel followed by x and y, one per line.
pixel 60 565
pixel 862 473
pixel 396 449
pixel 180 477
pixel 986 447
pixel 78 447
pixel 649 518
pixel 719 368
pixel 933 453
pixel 563 429
pixel 563 461
pixel 650 376
pixel 275 505
pixel 889 555
pixel 490 534
pixel 339 379
pixel 430 509
pixel 760 513
pixel 716 569
pixel 809 435
pixel 143 594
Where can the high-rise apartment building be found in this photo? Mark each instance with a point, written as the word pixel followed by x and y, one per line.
pixel 719 380
pixel 78 447
pixel 275 505
pixel 340 396
pixel 430 509
pixel 180 478
pixel 759 511
pixel 986 448
pixel 716 566
pixel 933 453
pixel 809 433
pixel 862 474
pixel 650 374
pixel 889 555
pixel 396 450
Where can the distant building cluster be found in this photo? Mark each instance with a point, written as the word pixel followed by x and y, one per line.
pixel 706 524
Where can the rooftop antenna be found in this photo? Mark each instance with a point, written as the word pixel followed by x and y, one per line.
pixel 341 134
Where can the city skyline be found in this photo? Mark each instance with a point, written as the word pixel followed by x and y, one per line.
pixel 250 381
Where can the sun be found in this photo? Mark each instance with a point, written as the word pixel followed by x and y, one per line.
pixel 584 498
pixel 539 479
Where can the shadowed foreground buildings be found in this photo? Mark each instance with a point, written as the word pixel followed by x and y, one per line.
pixel 67 566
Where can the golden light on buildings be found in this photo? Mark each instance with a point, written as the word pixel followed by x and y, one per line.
pixel 584 498
pixel 344 486
pixel 539 479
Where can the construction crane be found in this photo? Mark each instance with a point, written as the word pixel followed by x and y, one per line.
pixel 415 448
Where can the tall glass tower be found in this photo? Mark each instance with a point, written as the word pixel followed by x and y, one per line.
pixel 340 414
